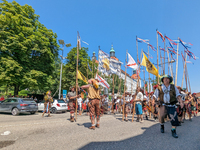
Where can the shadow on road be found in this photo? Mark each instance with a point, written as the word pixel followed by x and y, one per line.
pixel 86 125
pixel 152 139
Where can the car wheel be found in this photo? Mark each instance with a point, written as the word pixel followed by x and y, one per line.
pixel 15 112
pixel 53 110
pixel 33 112
pixel 63 111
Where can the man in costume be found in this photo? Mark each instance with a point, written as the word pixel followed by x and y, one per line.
pixel 127 105
pixel 94 98
pixel 72 102
pixel 47 104
pixel 167 95
pixel 138 107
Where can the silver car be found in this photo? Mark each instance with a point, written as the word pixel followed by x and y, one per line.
pixel 18 105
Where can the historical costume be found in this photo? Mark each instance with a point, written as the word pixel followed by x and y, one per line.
pixel 167 95
pixel 94 100
pixel 47 104
pixel 72 102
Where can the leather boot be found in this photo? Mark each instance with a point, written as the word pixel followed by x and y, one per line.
pixel 97 125
pixel 174 133
pixel 162 129
pixel 92 127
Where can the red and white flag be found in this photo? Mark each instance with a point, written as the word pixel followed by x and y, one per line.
pixel 102 82
pixel 131 62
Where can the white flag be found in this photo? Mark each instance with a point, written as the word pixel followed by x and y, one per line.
pixel 102 82
pixel 131 62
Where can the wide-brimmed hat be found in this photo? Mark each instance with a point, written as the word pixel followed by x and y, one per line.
pixel 73 86
pixel 48 92
pixel 167 76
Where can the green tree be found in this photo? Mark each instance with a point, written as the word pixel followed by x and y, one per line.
pixel 28 50
pixel 69 68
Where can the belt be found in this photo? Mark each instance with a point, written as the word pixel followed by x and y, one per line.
pixel 93 99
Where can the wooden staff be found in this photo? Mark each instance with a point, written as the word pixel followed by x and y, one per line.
pixel 92 68
pixel 144 79
pixel 87 70
pixel 119 84
pixel 157 58
pixel 162 70
pixel 169 63
pixel 77 75
pixel 124 87
pixel 188 79
pixel 176 65
pixel 137 86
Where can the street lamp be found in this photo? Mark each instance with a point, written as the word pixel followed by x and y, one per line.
pixel 67 45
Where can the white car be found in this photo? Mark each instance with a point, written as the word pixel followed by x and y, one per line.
pixel 57 105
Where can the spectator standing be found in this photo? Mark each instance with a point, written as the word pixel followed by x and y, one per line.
pixel 2 98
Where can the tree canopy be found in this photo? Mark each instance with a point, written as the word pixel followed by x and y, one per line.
pixel 28 50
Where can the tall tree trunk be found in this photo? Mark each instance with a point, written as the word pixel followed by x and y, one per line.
pixel 16 90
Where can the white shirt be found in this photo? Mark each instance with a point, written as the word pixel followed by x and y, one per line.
pixel 87 100
pixel 183 95
pixel 117 101
pixel 166 91
pixel 139 96
pixel 79 100
pixel 106 100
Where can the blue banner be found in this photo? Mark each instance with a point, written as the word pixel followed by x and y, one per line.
pixel 64 93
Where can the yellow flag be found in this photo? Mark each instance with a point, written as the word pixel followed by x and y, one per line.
pixel 149 66
pixel 82 77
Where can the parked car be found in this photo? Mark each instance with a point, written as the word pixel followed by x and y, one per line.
pixel 57 106
pixel 18 105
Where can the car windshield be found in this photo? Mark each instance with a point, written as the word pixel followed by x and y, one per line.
pixel 26 99
pixel 60 101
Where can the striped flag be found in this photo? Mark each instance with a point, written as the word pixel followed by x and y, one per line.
pixel 162 37
pixel 152 47
pixel 171 41
pixel 131 62
pixel 142 41
pixel 102 81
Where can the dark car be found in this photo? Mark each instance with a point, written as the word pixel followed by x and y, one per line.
pixel 18 105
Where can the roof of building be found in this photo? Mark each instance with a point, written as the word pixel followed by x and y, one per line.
pixel 115 58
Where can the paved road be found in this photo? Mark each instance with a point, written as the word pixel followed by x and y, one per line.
pixel 34 132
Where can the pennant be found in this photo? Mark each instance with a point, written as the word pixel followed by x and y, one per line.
pixel 163 49
pixel 89 67
pixel 162 37
pixel 149 66
pixel 102 82
pixel 85 42
pixel 152 47
pixel 171 41
pixel 82 77
pixel 142 41
pixel 131 62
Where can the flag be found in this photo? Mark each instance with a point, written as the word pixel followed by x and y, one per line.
pixel 131 62
pixel 149 66
pixel 171 41
pixel 183 44
pixel 85 42
pixel 190 54
pixel 152 47
pixel 162 49
pixel 103 62
pixel 89 66
pixel 162 37
pixel 142 41
pixel 102 82
pixel 148 55
pixel 82 77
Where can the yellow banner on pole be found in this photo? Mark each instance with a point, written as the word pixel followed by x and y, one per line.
pixel 149 66
pixel 82 77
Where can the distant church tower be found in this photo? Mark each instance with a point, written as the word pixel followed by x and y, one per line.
pixel 94 57
pixel 112 52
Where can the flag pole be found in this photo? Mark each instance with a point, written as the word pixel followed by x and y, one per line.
pixel 169 65
pixel 164 57
pixel 124 86
pixel 184 70
pixel 144 80
pixel 188 79
pixel 177 63
pixel 137 49
pixel 87 70
pixel 77 74
pixel 137 85
pixel 149 73
pixel 157 58
pixel 162 71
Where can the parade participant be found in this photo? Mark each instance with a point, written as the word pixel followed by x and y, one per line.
pixel 145 106
pixel 155 108
pixel 138 107
pixel 79 101
pixel 72 102
pixel 167 95
pixel 114 104
pixel 193 104
pixel 94 98
pixel 188 106
pixel 48 100
pixel 2 98
pixel 127 105
pixel 179 110
pixel 86 102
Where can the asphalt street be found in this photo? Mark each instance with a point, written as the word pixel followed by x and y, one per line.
pixel 28 132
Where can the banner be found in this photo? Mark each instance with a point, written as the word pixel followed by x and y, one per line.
pixel 82 77
pixel 102 82
pixel 149 66
pixel 131 62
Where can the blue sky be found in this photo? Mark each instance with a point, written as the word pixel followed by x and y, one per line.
pixel 101 23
